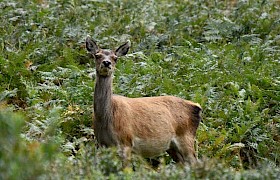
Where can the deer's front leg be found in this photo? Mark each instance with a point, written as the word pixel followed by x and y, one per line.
pixel 125 154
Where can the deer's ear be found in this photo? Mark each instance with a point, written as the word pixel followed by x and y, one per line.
pixel 91 46
pixel 123 49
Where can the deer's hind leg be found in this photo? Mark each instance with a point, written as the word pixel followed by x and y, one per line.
pixel 175 152
pixel 182 149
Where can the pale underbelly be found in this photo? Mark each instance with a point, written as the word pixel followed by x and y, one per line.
pixel 151 147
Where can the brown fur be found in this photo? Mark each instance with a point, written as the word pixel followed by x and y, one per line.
pixel 147 126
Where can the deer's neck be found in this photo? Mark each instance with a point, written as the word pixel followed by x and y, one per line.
pixel 103 97
pixel 103 112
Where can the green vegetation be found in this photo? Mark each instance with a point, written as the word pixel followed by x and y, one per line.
pixel 224 55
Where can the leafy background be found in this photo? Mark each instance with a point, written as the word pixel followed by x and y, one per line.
pixel 222 54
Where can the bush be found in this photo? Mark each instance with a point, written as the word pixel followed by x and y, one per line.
pixel 18 157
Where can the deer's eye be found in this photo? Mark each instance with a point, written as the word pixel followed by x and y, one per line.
pixel 115 58
pixel 98 56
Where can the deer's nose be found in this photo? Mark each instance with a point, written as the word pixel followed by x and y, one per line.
pixel 106 63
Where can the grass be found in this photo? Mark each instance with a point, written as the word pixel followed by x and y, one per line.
pixel 223 55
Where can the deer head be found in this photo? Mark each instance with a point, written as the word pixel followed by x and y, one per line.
pixel 105 60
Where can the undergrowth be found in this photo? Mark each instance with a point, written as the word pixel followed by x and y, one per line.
pixel 222 54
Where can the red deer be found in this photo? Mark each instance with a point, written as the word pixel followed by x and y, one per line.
pixel 147 126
